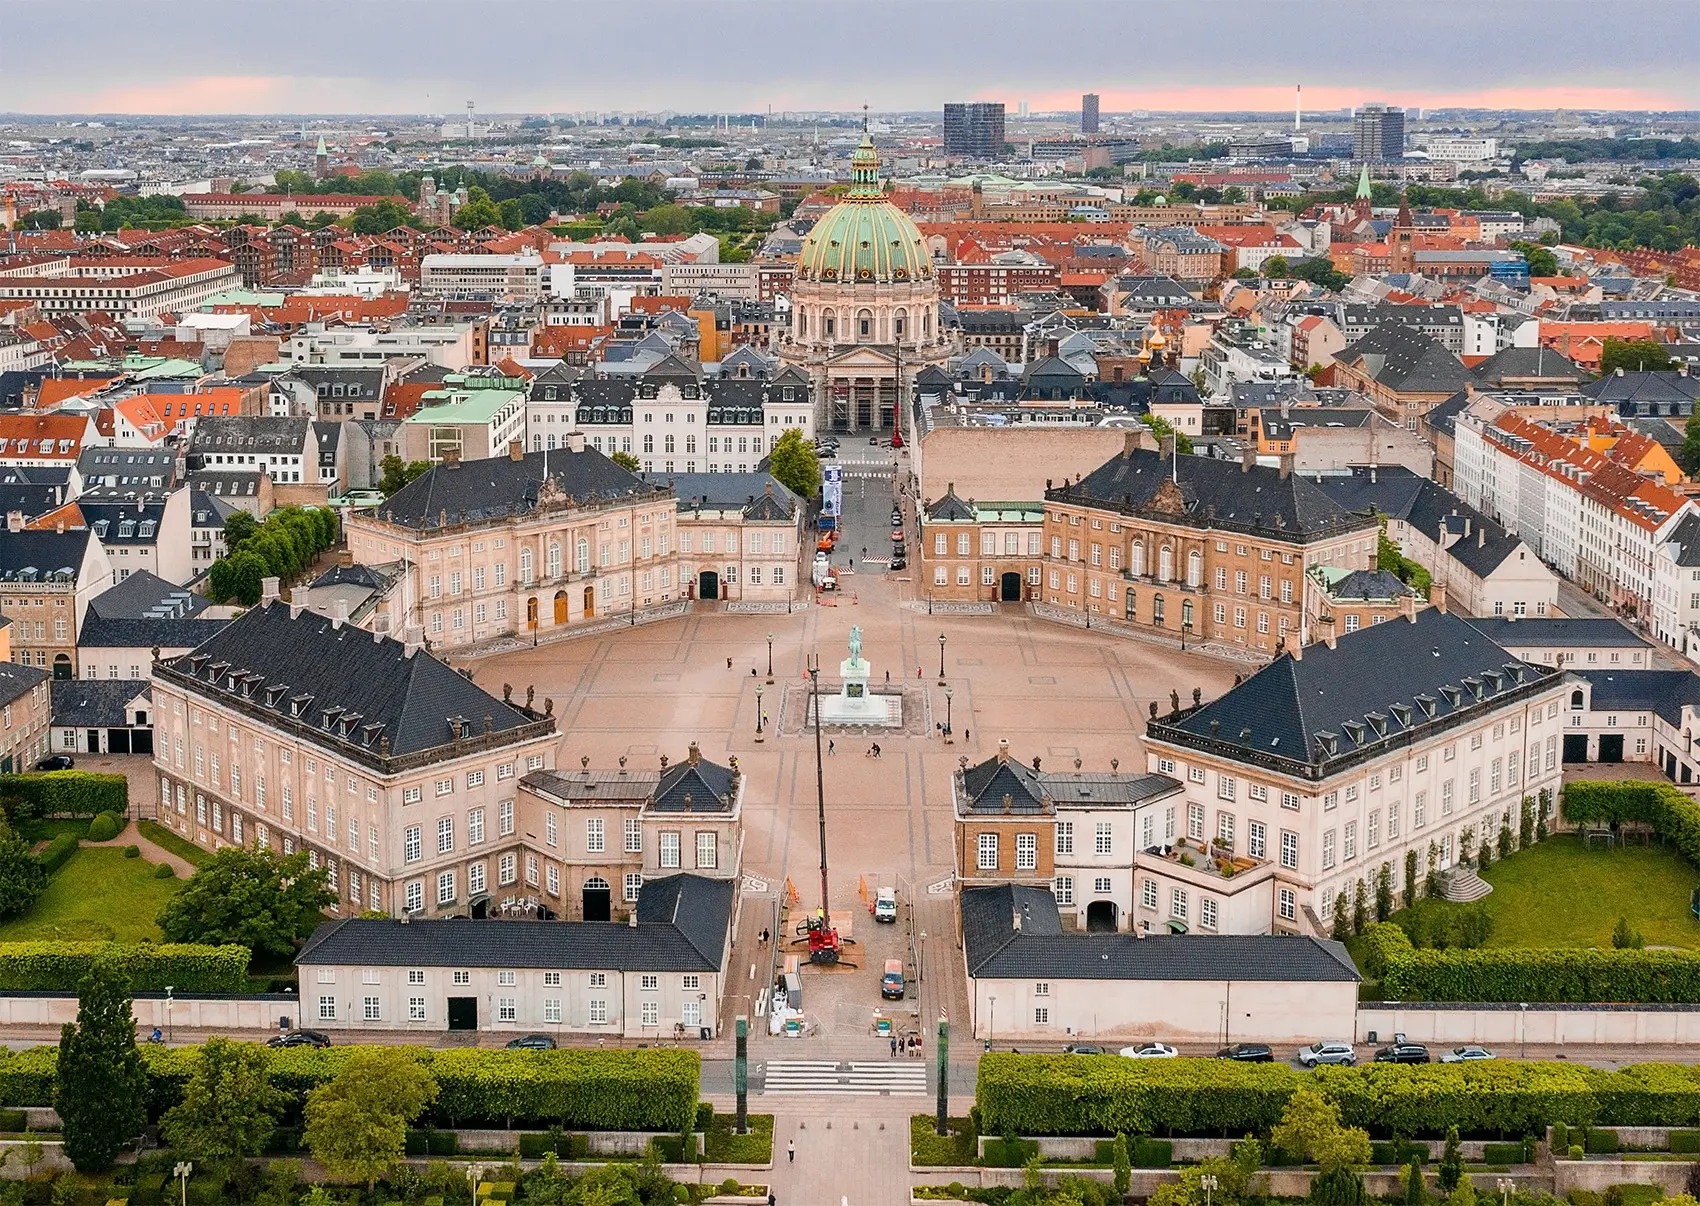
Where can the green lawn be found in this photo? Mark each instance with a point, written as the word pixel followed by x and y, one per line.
pixel 97 894
pixel 1556 893
pixel 45 829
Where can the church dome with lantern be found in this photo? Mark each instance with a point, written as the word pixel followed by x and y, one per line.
pixel 865 238
pixel 864 305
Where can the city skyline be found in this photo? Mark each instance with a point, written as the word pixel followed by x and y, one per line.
pixel 211 60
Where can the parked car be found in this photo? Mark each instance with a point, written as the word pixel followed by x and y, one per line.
pixel 898 561
pixel 896 518
pixel 1323 1052
pixel 1402 1053
pixel 1149 1051
pixel 874 440
pixel 891 983
pixel 1083 1049
pixel 1464 1055
pixel 897 535
pixel 299 1038
pixel 1250 1053
pixel 56 762
pixel 531 1042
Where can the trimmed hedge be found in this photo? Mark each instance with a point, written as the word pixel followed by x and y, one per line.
pixel 1509 1153
pixel 1685 1143
pixel 105 827
pixel 645 1090
pixel 1101 1095
pixel 66 793
pixel 1383 943
pixel 57 852
pixel 60 966
pixel 433 1143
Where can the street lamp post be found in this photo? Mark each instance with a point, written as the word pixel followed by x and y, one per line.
pixel 168 988
pixel 1506 1185
pixel 947 735
pixel 759 737
pixel 181 1172
pixel 770 657
pixel 473 1173
pixel 1209 1185
pixel 991 1021
pixel 941 659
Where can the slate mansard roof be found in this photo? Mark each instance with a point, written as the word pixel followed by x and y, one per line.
pixel 1315 716
pixel 682 921
pixel 363 697
pixel 1208 493
pixel 499 487
pixel 996 948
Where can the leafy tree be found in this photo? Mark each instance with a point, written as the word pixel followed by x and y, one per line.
pixel 478 212
pixel 1484 857
pixel 1410 893
pixel 1541 261
pixel 1276 267
pixel 41 219
pixel 239 526
pixel 1451 1168
pixel 794 463
pixel 1319 271
pixel 100 1085
pixel 1360 908
pixel 22 877
pixel 1505 837
pixel 1245 274
pixel 1416 1193
pixel 1634 356
pixel 1122 1164
pixel 1310 1127
pixel 1342 920
pixel 1238 1180
pixel 1384 892
pixel 247 570
pixel 1624 938
pixel 229 1105
pixel 357 1124
pixel 513 214
pixel 667 220
pixel 376 219
pixel 1233 195
pixel 291 217
pixel 396 474
pixel 626 461
pixel 250 897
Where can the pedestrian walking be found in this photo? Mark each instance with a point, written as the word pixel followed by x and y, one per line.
pixel 791 1152
pixel 894 1047
pixel 728 663
pixel 771 1200
pixel 853 560
pixel 831 747
pixel 864 551
pixel 888 678
pixel 965 734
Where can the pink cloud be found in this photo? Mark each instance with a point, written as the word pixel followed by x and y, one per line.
pixel 205 94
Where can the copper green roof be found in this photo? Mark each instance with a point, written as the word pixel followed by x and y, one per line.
pixel 865 238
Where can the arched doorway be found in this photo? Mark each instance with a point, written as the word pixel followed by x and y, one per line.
pixel 1011 588
pixel 531 612
pixel 708 585
pixel 479 907
pixel 1101 917
pixel 598 900
pixel 589 601
pixel 560 607
pixel 61 665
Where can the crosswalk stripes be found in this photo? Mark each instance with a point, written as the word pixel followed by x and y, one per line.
pixel 896 1078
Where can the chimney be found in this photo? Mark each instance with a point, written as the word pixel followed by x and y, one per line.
pixel 1297 648
pixel 631 919
pixel 575 441
pixel 1287 461
pixel 1166 447
pixel 1410 607
pixel 339 613
pixel 1015 920
pixel 516 450
pixel 14 521
pixel 694 757
pixel 1437 596
pixel 451 458
pixel 1248 458
pixel 1481 538
pixel 268 591
pixel 1130 442
pixel 345 558
pixel 1619 370
pixel 412 640
pixel 1003 749
pixel 297 601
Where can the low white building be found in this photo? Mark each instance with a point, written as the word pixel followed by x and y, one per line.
pixel 1635 716
pixel 516 277
pixel 659 978
pixel 1029 981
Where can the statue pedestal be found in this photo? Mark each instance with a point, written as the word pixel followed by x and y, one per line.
pixel 854 704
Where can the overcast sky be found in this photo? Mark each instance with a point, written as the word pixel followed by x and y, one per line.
pixel 430 56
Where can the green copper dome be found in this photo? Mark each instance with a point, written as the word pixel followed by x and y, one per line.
pixel 865 239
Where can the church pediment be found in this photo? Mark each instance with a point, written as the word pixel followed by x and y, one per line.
pixel 861 357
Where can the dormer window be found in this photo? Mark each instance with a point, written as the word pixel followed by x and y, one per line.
pixel 1452 694
pixel 1427 703
pixel 1355 731
pixel 1402 713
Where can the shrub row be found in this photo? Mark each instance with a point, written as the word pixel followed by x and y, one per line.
pixel 1101 1095
pixel 1527 974
pixel 60 966
pixel 57 852
pixel 650 1090
pixel 67 793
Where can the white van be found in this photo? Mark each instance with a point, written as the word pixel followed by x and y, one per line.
pixel 885 904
